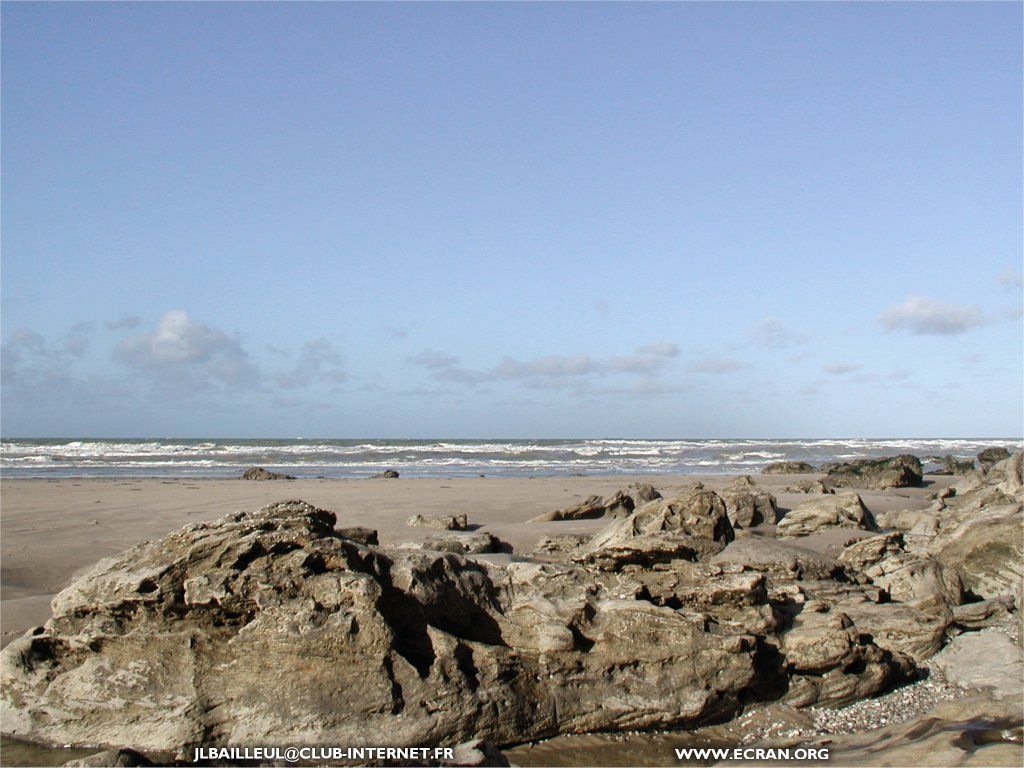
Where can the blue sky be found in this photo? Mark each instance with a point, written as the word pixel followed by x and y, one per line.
pixel 517 220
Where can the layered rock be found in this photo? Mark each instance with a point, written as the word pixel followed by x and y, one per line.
pixel 875 474
pixel 475 543
pixel 916 579
pixel 789 468
pixel 271 628
pixel 619 504
pixel 979 531
pixel 747 505
pixel 690 525
pixel 841 510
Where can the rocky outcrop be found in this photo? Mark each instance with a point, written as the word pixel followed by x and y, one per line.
pixel 444 522
pixel 951 465
pixel 747 505
pixel 271 628
pixel 387 474
pixel 908 577
pixel 476 543
pixel 690 525
pixel 259 473
pixel 782 561
pixel 989 457
pixel 902 471
pixel 979 529
pixel 789 468
pixel 841 510
pixel 618 504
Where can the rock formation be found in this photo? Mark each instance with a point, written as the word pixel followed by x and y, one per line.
pixel 618 504
pixel 444 522
pixel 747 505
pixel 476 543
pixel 841 510
pixel 789 468
pixel 259 473
pixel 989 457
pixel 876 474
pixel 271 628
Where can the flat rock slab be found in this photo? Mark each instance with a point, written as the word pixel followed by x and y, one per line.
pixel 985 659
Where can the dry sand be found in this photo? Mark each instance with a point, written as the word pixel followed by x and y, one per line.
pixel 52 529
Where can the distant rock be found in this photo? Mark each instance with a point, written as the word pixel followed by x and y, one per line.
pixel 789 468
pixel 618 504
pixel 902 471
pixel 259 473
pixel 841 510
pixel 444 522
pixel 387 474
pixel 955 466
pixel 992 456
pixel 747 505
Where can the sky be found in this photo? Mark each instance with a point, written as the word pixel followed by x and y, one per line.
pixel 511 220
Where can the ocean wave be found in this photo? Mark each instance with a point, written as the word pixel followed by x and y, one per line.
pixel 355 458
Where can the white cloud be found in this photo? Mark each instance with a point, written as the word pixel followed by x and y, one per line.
pixel 1011 278
pixel 659 349
pixel 433 359
pixel 181 351
pixel 124 323
pixel 712 364
pixel 318 361
pixel 838 369
pixel 923 316
pixel 550 371
pixel 772 332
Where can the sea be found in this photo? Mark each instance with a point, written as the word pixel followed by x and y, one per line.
pixel 174 457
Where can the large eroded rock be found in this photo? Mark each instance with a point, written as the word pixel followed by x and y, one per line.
pixel 840 510
pixel 619 504
pixel 747 505
pixel 876 474
pixel 270 628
